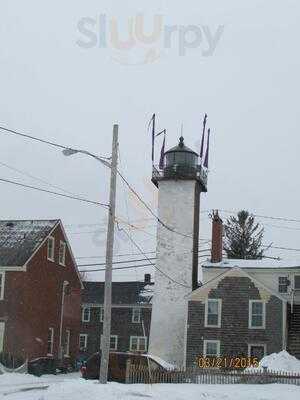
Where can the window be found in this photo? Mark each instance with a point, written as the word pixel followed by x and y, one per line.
pixel 257 350
pixel 257 314
pixel 50 249
pixel 2 280
pixel 297 282
pixel 213 313
pixel 138 343
pixel 211 348
pixel 67 345
pixel 101 314
pixel 50 341
pixel 113 342
pixel 2 329
pixel 86 314
pixel 136 315
pixel 282 284
pixel 62 253
pixel 83 338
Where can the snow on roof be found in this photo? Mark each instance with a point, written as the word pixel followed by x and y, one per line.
pixel 147 293
pixel 19 239
pixel 265 263
pixel 281 361
pixel 161 362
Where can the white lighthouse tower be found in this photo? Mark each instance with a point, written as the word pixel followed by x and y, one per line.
pixel 179 182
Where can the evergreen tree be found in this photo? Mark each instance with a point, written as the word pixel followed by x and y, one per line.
pixel 243 237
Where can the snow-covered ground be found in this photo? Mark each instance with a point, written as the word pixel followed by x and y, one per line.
pixel 72 387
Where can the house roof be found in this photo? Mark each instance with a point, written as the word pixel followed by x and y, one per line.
pixel 122 292
pixel 20 238
pixel 260 264
pixel 232 272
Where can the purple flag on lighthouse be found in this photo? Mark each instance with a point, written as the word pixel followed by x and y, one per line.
pixel 205 164
pixel 203 135
pixel 162 153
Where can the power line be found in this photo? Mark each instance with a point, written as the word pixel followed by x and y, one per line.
pixel 283 248
pixel 135 260
pixel 117 255
pixel 150 209
pixel 117 262
pixel 136 266
pixel 264 216
pixel 35 178
pixel 25 135
pixel 54 193
pixel 141 251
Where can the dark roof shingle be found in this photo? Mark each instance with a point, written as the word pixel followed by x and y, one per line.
pixel 19 239
pixel 122 292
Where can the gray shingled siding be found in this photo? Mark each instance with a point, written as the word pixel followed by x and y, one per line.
pixel 122 326
pixel 234 333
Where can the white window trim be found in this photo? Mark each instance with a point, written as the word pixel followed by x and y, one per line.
pixel 85 336
pixel 287 286
pixel 132 318
pixel 138 343
pixel 51 238
pixel 82 315
pixel 68 337
pixel 263 315
pixel 2 324
pixel 101 314
pixel 62 243
pixel 205 342
pixel 257 344
pixel 219 301
pixel 2 274
pixel 52 340
pixel 294 281
pixel 116 342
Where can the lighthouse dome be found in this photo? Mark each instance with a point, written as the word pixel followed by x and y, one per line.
pixel 180 155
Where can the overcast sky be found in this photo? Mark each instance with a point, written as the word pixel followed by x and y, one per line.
pixel 68 79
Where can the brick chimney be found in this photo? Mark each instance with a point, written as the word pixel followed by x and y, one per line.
pixel 217 238
pixel 147 278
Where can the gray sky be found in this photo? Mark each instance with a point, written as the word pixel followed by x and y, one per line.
pixel 55 89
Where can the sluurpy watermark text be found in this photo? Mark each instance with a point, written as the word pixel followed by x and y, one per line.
pixel 136 45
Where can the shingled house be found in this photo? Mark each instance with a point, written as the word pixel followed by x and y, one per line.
pixel 243 307
pixel 40 291
pixel 131 315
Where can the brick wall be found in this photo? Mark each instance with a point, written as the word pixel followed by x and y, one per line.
pixel 234 334
pixel 32 304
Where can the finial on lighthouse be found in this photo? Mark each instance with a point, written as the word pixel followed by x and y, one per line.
pixel 181 140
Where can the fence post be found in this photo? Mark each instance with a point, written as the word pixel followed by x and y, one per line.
pixel 128 371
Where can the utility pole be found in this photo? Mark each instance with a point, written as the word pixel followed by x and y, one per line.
pixel 105 342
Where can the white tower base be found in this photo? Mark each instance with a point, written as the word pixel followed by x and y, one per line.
pixel 178 208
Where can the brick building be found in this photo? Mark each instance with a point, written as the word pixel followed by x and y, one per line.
pixel 40 291
pixel 131 315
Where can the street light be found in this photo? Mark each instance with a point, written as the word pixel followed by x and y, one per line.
pixel 105 343
pixel 70 151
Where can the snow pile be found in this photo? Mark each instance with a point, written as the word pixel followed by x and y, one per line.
pixel 281 361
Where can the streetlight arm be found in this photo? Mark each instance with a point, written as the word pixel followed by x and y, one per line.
pixel 69 152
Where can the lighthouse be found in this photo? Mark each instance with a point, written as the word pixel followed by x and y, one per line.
pixel 180 180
